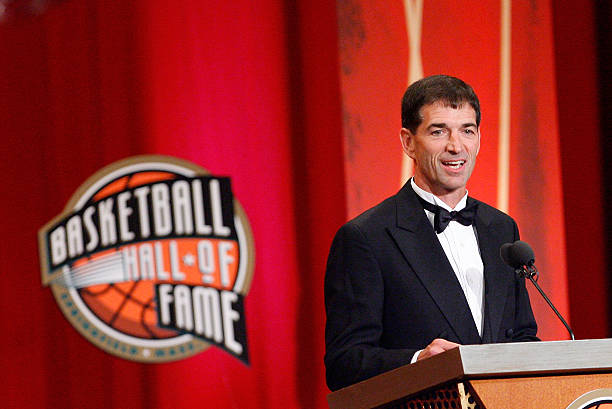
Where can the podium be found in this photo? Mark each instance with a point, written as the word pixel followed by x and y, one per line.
pixel 543 375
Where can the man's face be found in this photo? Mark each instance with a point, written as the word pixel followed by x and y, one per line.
pixel 444 148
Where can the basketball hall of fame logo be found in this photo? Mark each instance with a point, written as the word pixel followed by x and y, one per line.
pixel 151 260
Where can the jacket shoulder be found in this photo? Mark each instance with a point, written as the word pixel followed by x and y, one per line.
pixel 492 215
pixel 381 215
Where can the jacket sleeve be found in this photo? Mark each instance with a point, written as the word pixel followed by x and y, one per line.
pixel 354 291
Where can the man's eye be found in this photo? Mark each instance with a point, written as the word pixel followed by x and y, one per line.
pixel 437 132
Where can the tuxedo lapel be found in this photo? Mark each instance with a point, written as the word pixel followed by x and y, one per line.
pixel 496 277
pixel 420 247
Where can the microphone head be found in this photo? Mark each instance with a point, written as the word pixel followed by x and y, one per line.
pixel 517 254
pixel 522 253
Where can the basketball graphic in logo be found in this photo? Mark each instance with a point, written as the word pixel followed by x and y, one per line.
pixel 151 260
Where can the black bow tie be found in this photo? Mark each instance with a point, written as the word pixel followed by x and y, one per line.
pixel 443 217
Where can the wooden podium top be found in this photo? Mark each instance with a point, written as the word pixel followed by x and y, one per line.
pixel 478 362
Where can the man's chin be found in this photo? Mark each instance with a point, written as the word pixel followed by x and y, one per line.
pixel 452 183
pixel 454 186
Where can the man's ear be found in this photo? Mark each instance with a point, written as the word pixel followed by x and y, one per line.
pixel 407 139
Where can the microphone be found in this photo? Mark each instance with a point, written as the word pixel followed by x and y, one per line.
pixel 517 254
pixel 520 256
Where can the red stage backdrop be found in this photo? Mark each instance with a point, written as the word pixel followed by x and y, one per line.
pixel 299 105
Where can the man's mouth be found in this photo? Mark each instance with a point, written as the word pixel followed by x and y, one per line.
pixel 453 164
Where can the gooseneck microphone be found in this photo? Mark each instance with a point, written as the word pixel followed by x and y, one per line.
pixel 520 256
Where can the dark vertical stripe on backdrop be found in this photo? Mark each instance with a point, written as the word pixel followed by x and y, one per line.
pixel 581 155
pixel 603 16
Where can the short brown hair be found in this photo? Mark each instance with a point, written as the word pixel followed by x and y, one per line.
pixel 444 88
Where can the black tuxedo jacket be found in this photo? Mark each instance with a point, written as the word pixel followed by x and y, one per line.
pixel 390 290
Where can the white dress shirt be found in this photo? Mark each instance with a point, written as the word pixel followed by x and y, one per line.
pixel 461 247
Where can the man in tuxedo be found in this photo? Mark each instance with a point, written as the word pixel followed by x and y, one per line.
pixel 420 273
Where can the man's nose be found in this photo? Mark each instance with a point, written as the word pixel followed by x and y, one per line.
pixel 454 142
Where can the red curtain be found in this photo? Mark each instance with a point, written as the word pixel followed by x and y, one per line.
pixel 223 85
pixel 536 195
